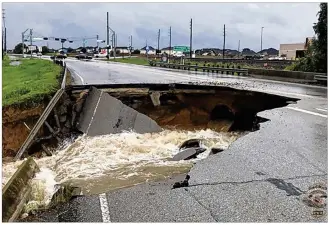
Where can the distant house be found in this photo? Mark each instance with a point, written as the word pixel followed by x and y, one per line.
pixel 167 50
pixel 209 51
pixel 122 50
pixel 248 52
pixel 152 51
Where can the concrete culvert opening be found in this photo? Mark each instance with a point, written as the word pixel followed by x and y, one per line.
pixel 116 155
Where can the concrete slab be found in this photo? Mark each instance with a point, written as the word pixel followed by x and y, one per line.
pixel 103 114
pixel 188 153
pixel 88 109
pixel 144 124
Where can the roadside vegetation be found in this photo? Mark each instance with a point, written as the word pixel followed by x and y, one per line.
pixel 30 82
pixel 316 57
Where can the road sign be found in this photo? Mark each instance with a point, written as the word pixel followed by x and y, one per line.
pixel 181 48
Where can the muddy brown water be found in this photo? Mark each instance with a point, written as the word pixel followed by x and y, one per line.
pixel 104 163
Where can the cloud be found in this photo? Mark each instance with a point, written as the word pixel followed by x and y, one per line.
pixel 142 20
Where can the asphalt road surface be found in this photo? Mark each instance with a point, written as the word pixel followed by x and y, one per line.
pixel 264 176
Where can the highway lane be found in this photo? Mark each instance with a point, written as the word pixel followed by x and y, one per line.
pixel 100 72
pixel 263 176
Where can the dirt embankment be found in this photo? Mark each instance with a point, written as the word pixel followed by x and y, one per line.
pixel 14 131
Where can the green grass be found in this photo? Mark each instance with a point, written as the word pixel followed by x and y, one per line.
pixel 30 82
pixel 135 60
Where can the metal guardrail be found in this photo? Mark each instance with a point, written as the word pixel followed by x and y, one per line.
pixel 43 117
pixel 217 69
pixel 321 77
pixel 64 76
pixel 39 123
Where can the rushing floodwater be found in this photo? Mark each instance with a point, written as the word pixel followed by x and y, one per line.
pixel 104 163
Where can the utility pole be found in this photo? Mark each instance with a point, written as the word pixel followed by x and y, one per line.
pixel 147 48
pixel 23 42
pixel 108 55
pixel 224 41
pixel 170 50
pixel 191 38
pixel 131 42
pixel 158 42
pixel 115 44
pixel 130 45
pixel 4 41
pixel 239 43
pixel 31 42
pixel 262 29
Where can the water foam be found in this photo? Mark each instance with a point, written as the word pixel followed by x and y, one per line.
pixel 107 162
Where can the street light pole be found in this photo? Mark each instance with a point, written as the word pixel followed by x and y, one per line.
pixel 170 51
pixel 191 28
pixel 108 55
pixel 262 29
pixel 158 42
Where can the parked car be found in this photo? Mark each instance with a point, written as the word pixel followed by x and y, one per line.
pixel 83 56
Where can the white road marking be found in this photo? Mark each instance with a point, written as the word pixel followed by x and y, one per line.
pixel 306 111
pixel 104 208
pixel 75 72
pixel 324 110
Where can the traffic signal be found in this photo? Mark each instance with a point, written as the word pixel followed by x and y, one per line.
pixel 45 38
pixel 57 39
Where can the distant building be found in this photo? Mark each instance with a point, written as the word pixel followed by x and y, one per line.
pixel 296 50
pixel 122 50
pixel 167 50
pixel 33 48
pixel 152 51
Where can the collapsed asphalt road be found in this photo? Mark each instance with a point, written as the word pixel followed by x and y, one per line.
pixel 262 177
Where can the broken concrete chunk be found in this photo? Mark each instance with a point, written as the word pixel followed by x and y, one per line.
pixel 191 143
pixel 155 98
pixel 103 114
pixel 188 153
pixel 216 150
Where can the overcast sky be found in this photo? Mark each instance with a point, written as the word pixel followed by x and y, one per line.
pixel 283 22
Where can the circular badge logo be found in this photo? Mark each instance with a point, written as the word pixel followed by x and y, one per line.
pixel 316 197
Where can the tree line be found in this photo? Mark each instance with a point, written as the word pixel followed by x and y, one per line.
pixel 316 55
